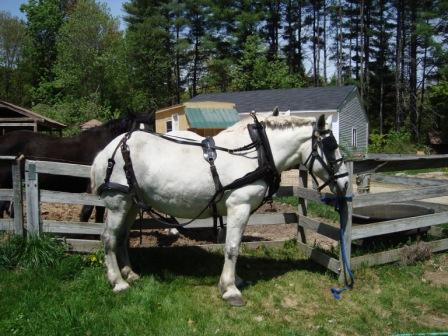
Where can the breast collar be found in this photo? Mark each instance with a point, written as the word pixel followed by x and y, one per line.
pixel 327 145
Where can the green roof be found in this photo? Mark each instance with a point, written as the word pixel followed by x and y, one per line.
pixel 211 117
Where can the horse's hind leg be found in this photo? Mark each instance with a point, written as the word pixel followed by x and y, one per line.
pixel 113 234
pixel 237 217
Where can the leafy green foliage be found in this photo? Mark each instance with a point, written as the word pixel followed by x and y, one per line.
pixel 73 112
pixel 393 143
pixel 12 40
pixel 254 71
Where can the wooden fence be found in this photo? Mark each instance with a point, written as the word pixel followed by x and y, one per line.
pixel 420 189
pixel 423 189
pixel 13 195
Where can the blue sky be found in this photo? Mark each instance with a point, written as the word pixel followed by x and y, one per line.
pixel 13 7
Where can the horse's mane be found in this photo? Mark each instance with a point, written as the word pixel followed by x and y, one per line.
pixel 272 122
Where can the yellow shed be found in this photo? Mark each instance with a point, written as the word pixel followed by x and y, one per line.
pixel 206 118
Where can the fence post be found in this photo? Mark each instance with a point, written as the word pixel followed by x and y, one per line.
pixel 346 219
pixel 17 196
pixel 302 207
pixel 32 198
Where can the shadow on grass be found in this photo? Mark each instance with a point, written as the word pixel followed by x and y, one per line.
pixel 199 263
pixel 201 236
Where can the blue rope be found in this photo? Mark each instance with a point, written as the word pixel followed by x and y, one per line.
pixel 336 200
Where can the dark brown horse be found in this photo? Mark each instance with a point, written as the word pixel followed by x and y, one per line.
pixel 80 149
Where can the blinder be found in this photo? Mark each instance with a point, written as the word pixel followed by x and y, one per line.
pixel 328 145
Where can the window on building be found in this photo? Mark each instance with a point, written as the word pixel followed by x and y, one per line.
pixel 354 138
pixel 175 122
pixel 169 126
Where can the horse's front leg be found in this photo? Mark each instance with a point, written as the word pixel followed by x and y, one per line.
pixel 237 217
pixel 122 247
pixel 112 238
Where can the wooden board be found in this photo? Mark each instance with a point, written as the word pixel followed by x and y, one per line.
pixel 89 246
pixel 6 224
pixel 59 168
pixel 70 198
pixel 397 162
pixel 83 245
pixel 400 195
pixel 407 180
pixel 319 227
pixel 32 199
pixel 7 158
pixel 398 225
pixel 256 219
pixel 19 227
pixel 97 228
pixel 72 227
pixel 394 255
pixel 6 194
pixel 320 257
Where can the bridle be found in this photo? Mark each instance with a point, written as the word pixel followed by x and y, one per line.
pixel 327 145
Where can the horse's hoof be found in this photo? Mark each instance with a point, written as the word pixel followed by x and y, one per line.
pixel 132 277
pixel 120 287
pixel 235 301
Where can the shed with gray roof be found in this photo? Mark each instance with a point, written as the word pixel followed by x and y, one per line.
pixel 340 104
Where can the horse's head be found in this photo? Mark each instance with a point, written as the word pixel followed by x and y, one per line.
pixel 324 160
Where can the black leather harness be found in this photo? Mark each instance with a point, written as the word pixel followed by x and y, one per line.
pixel 266 170
pixel 327 145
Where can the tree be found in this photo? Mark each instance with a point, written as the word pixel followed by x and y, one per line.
pixel 90 69
pixel 151 54
pixel 44 19
pixel 254 71
pixel 12 40
pixel 294 37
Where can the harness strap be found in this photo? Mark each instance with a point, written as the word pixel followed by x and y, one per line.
pixel 208 146
pixel 185 141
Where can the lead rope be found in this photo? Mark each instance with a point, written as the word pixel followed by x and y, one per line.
pixel 349 279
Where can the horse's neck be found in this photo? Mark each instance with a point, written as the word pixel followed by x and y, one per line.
pixel 287 145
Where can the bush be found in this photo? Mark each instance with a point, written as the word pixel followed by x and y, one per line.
pixel 31 252
pixel 395 142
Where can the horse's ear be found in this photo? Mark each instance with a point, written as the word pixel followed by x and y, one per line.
pixel 329 122
pixel 275 112
pixel 321 122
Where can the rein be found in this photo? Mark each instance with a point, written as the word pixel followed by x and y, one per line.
pixel 328 145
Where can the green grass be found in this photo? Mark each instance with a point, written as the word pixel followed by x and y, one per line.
pixel 177 295
pixel 314 208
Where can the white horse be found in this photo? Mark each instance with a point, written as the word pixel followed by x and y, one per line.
pixel 176 180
